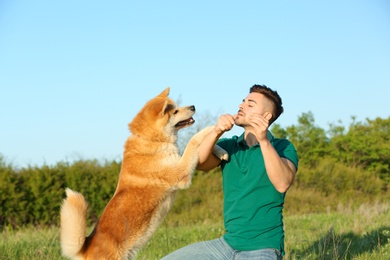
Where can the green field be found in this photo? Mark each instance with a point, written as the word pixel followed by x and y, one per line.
pixel 362 233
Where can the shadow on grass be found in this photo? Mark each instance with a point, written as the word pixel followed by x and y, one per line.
pixel 344 246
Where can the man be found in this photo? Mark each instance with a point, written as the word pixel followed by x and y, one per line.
pixel 256 177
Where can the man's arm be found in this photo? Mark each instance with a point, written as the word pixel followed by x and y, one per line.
pixel 207 160
pixel 281 171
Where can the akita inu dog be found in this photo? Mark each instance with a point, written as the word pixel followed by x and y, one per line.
pixel 151 173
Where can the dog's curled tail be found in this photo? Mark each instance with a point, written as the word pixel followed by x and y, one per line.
pixel 73 223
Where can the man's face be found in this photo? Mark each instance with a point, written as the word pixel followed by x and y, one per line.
pixel 254 103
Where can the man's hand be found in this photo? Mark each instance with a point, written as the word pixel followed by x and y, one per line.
pixel 207 160
pixel 260 124
pixel 225 123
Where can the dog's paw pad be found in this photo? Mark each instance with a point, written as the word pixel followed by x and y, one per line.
pixel 220 153
pixel 224 157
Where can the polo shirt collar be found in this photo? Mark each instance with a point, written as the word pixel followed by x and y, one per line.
pixel 241 139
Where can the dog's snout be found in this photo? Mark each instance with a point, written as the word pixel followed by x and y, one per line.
pixel 192 108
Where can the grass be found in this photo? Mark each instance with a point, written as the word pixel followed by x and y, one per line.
pixel 363 233
pixel 30 243
pixel 346 233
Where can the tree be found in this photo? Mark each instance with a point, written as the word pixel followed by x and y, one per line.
pixel 365 145
pixel 310 140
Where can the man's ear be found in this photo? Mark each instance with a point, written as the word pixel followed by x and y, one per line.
pixel 268 115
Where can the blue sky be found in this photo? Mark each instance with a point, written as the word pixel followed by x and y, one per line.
pixel 74 73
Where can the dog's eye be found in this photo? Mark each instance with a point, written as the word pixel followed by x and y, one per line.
pixel 176 111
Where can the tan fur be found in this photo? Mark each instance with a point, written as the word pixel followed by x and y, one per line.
pixel 152 171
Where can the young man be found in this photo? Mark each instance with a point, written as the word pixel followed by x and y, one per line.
pixel 256 177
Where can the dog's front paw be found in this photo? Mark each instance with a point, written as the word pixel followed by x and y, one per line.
pixel 198 137
pixel 220 153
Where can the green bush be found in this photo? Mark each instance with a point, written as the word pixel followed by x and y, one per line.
pixel 33 195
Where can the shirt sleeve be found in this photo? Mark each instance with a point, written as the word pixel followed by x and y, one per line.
pixel 287 150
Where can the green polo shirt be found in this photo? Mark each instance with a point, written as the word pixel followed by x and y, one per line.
pixel 252 206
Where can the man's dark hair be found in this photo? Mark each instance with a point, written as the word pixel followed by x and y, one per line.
pixel 272 95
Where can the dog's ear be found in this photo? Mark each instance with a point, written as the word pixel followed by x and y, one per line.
pixel 165 93
pixel 164 108
pixel 167 107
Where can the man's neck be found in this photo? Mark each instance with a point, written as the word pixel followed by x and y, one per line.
pixel 250 139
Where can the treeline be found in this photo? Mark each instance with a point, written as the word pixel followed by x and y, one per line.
pixel 341 164
pixel 33 195
pixel 363 145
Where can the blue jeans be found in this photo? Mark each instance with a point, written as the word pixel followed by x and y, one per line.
pixel 218 249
